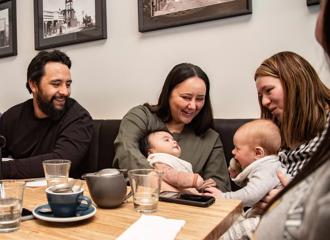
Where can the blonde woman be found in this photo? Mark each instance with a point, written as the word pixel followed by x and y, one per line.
pixel 293 96
pixel 301 210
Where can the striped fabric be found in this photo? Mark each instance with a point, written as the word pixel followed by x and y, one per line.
pixel 295 159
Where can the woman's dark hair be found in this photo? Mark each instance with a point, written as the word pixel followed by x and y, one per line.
pixel 180 73
pixel 36 67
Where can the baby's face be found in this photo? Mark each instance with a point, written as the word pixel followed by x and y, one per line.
pixel 163 142
pixel 243 152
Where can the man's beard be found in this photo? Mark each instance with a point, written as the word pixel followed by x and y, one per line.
pixel 47 107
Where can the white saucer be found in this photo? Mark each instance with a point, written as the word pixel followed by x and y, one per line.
pixel 81 215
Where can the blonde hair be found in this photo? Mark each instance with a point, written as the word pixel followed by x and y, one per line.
pixel 263 133
pixel 306 98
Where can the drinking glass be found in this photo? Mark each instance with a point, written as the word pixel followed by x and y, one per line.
pixel 11 201
pixel 56 171
pixel 145 184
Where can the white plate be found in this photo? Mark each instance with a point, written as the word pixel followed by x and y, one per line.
pixel 81 215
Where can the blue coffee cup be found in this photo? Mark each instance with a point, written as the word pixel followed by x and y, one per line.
pixel 67 204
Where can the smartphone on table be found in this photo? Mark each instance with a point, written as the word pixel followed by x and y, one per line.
pixel 26 214
pixel 186 198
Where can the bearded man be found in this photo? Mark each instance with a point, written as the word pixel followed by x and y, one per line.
pixel 51 125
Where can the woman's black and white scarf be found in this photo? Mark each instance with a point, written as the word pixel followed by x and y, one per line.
pixel 294 160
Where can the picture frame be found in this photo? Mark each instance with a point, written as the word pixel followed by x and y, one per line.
pixel 159 14
pixel 312 2
pixel 8 28
pixel 65 22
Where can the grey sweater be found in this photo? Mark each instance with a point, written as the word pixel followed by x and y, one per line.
pixel 303 212
pixel 204 152
pixel 258 179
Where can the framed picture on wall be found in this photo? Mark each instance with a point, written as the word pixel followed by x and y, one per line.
pixel 8 36
pixel 312 2
pixel 64 22
pixel 158 14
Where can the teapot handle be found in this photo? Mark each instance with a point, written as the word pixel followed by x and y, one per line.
pixel 125 173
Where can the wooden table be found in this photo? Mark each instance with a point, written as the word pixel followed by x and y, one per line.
pixel 201 223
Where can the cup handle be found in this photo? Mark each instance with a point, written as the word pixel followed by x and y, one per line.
pixel 87 202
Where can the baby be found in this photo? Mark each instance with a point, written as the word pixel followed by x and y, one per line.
pixel 254 168
pixel 163 153
pixel 255 162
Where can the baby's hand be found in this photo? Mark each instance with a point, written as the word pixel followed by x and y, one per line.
pixel 207 183
pixel 234 168
pixel 213 191
pixel 232 172
pixel 199 181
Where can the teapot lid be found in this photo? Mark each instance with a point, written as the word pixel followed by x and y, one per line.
pixel 108 172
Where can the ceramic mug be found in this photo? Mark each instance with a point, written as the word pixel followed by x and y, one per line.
pixel 67 204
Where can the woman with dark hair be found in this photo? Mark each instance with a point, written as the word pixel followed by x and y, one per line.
pixel 184 109
pixel 302 209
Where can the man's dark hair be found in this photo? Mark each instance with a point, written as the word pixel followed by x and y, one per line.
pixel 180 73
pixel 36 67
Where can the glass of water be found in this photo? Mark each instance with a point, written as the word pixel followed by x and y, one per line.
pixel 56 171
pixel 11 201
pixel 145 184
